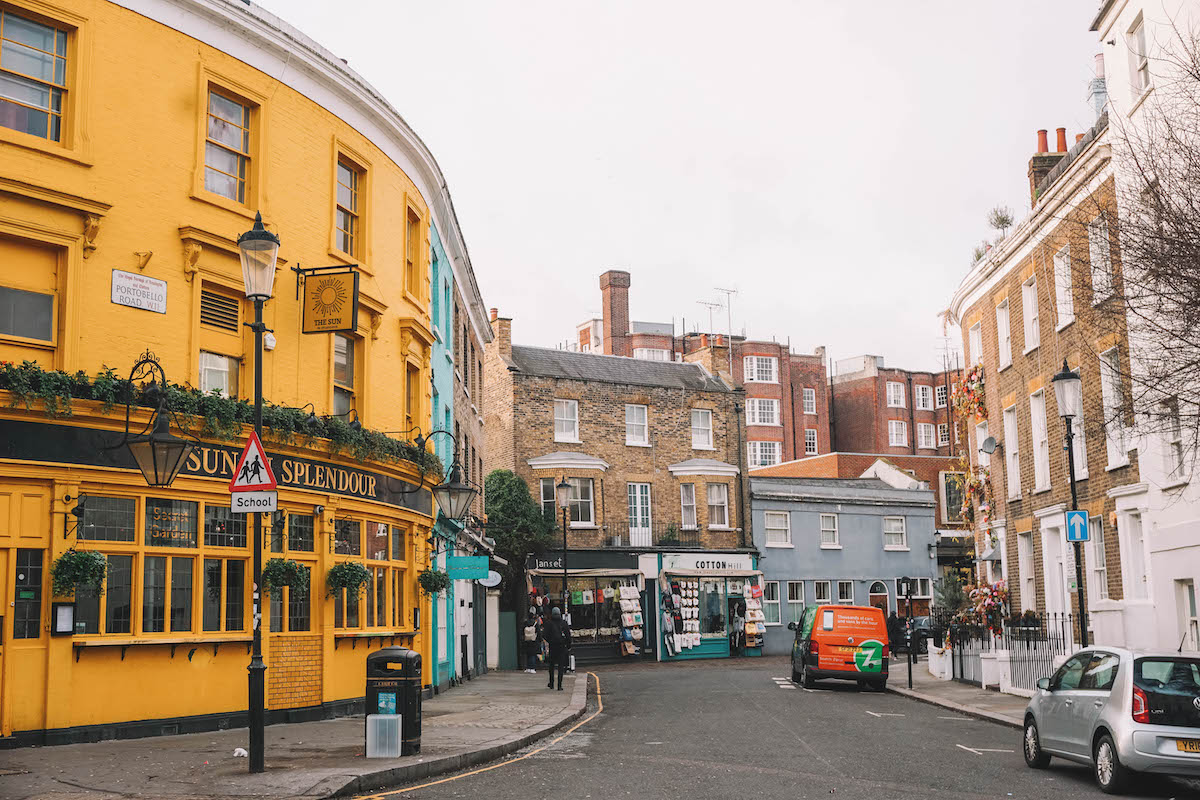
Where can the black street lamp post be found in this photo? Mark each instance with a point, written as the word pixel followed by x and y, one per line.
pixel 259 251
pixel 562 494
pixel 1068 391
pixel 158 453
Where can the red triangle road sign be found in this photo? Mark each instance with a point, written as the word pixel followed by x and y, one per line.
pixel 253 471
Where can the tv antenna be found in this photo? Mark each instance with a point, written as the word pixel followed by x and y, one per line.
pixel 710 307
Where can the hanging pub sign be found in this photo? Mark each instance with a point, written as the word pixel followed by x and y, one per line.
pixel 330 302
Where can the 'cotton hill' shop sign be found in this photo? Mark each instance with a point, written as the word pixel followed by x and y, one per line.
pixel 68 444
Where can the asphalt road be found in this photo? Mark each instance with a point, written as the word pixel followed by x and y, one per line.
pixel 728 730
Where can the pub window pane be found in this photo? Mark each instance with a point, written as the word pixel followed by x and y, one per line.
pixel 381 596
pixel 26 314
pixel 108 519
pixel 181 594
pixel 352 599
pixel 87 609
pixel 235 574
pixel 397 543
pixel 298 613
pixel 212 594
pixel 398 599
pixel 27 605
pixel 370 604
pixel 377 541
pixel 154 595
pixel 300 532
pixel 348 537
pixel 118 612
pixel 275 599
pixel 278 523
pixel 339 609
pixel 171 523
pixel 223 528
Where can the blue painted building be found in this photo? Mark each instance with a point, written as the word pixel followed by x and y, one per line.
pixel 840 540
pixel 441 289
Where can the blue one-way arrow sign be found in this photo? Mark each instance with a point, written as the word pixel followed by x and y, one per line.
pixel 1077 526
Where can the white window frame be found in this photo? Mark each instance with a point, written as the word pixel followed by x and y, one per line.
pixel 1097 561
pixel 944 479
pixel 810 401
pixel 1079 431
pixel 785 526
pixel 705 429
pixel 566 416
pixel 651 354
pixel 1039 435
pixel 687 504
pixel 1139 61
pixel 1100 259
pixel 757 449
pixel 843 599
pixel 975 344
pixel 1174 449
pixel 926 436
pixel 981 433
pixel 762 411
pixel 817 586
pixel 218 363
pixel 1028 575
pixel 720 502
pixel 1063 297
pixel 943 434
pixel 810 442
pixel 1110 393
pixel 830 538
pixel 549 498
pixel 795 601
pixel 902 533
pixel 1029 315
pixel 924 590
pixel 1003 334
pixel 924 397
pixel 771 588
pixel 576 499
pixel 760 369
pixel 895 394
pixel 631 427
pixel 940 396
pixel 897 433
pixel 1012 453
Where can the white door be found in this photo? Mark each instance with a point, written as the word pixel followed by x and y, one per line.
pixel 1189 623
pixel 1136 558
pixel 1056 571
pixel 639 515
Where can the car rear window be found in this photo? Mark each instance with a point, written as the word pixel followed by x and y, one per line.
pixel 1172 687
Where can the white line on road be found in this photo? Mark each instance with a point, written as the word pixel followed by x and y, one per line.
pixel 981 750
pixel 883 714
pixel 964 719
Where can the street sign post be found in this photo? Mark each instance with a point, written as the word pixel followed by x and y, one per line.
pixel 251 502
pixel 1077 526
pixel 252 487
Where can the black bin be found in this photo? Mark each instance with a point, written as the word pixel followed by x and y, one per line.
pixel 394 687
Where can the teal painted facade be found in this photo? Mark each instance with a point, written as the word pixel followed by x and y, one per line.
pixel 441 310
pixel 709 647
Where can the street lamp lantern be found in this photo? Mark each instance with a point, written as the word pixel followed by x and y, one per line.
pixel 1068 391
pixel 562 494
pixel 160 454
pixel 259 250
pixel 454 497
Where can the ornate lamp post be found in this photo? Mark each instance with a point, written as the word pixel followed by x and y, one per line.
pixel 1068 391
pixel 159 454
pixel 259 250
pixel 562 494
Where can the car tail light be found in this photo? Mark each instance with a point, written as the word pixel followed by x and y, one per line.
pixel 1141 707
pixel 885 652
pixel 814 648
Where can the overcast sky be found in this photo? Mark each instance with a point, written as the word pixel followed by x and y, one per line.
pixel 832 161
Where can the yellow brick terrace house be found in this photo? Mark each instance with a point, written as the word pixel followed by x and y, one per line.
pixel 138 140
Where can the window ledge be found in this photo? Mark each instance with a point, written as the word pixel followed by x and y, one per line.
pixel 217 200
pixel 1042 490
pixel 784 545
pixel 576 526
pixel 1029 350
pixel 894 549
pixel 637 444
pixel 1138 103
pixel 998 371
pixel 831 547
pixel 568 441
pixel 1176 484
pixel 105 640
pixel 721 528
pixel 939 408
pixel 926 447
pixel 773 383
pixel 349 260
pixel 45 146
pixel 698 447
pixel 810 413
pixel 1063 325
pixel 369 634
pixel 1116 466
pixel 764 425
pixel 892 406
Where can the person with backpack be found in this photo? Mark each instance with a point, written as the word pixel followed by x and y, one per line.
pixel 531 637
pixel 558 636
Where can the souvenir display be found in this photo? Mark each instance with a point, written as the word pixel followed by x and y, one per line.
pixel 631 619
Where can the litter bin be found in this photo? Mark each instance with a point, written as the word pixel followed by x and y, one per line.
pixel 393 689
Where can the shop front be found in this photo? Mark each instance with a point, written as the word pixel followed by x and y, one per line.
pixel 606 603
pixel 710 605
pixel 167 633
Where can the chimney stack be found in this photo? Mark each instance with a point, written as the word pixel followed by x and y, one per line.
pixel 1098 88
pixel 1043 162
pixel 502 334
pixel 495 312
pixel 614 290
pixel 1078 138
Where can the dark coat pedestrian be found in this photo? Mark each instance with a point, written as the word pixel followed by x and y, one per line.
pixel 557 634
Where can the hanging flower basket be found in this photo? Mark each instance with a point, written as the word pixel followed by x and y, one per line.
pixel 349 575
pixel 433 581
pixel 967 394
pixel 77 568
pixel 280 572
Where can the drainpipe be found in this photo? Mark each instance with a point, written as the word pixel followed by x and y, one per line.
pixel 912 417
pixel 745 479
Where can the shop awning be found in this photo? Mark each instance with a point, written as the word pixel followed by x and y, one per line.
pixel 599 572
pixel 714 573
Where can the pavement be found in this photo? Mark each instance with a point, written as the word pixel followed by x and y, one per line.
pixel 478 721
pixel 989 704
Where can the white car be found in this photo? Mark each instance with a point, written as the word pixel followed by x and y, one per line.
pixel 1119 711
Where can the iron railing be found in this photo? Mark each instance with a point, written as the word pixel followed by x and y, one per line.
pixel 1033 644
pixel 656 534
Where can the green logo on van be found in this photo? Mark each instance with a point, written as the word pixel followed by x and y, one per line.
pixel 869 656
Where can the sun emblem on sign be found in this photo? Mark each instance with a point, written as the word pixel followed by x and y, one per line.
pixel 329 297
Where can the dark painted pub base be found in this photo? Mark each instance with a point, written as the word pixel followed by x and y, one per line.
pixel 174 726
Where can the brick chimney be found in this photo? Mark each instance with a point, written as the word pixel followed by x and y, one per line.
pixel 502 334
pixel 614 289
pixel 1043 162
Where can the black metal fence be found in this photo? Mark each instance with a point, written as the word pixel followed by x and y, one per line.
pixel 656 534
pixel 1034 644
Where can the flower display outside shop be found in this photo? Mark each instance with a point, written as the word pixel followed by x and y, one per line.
pixel 967 395
pixel 987 609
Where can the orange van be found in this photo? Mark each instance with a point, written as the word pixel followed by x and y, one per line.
pixel 849 643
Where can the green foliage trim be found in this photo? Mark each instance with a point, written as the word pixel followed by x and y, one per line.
pixel 208 416
pixel 433 581
pixel 280 572
pixel 77 568
pixel 349 575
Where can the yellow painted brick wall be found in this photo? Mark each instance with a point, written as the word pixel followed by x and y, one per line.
pixel 294 678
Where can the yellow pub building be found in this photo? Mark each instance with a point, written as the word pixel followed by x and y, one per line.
pixel 138 139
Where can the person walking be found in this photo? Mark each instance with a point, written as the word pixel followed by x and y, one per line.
pixel 558 635
pixel 739 629
pixel 531 636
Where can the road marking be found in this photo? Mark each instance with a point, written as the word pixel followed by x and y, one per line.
pixel 883 714
pixel 981 750
pixel 569 731
pixel 786 686
pixel 964 719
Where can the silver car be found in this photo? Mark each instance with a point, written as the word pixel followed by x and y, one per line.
pixel 1119 711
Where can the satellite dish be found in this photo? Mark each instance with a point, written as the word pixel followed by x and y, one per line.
pixel 492 579
pixel 988 445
